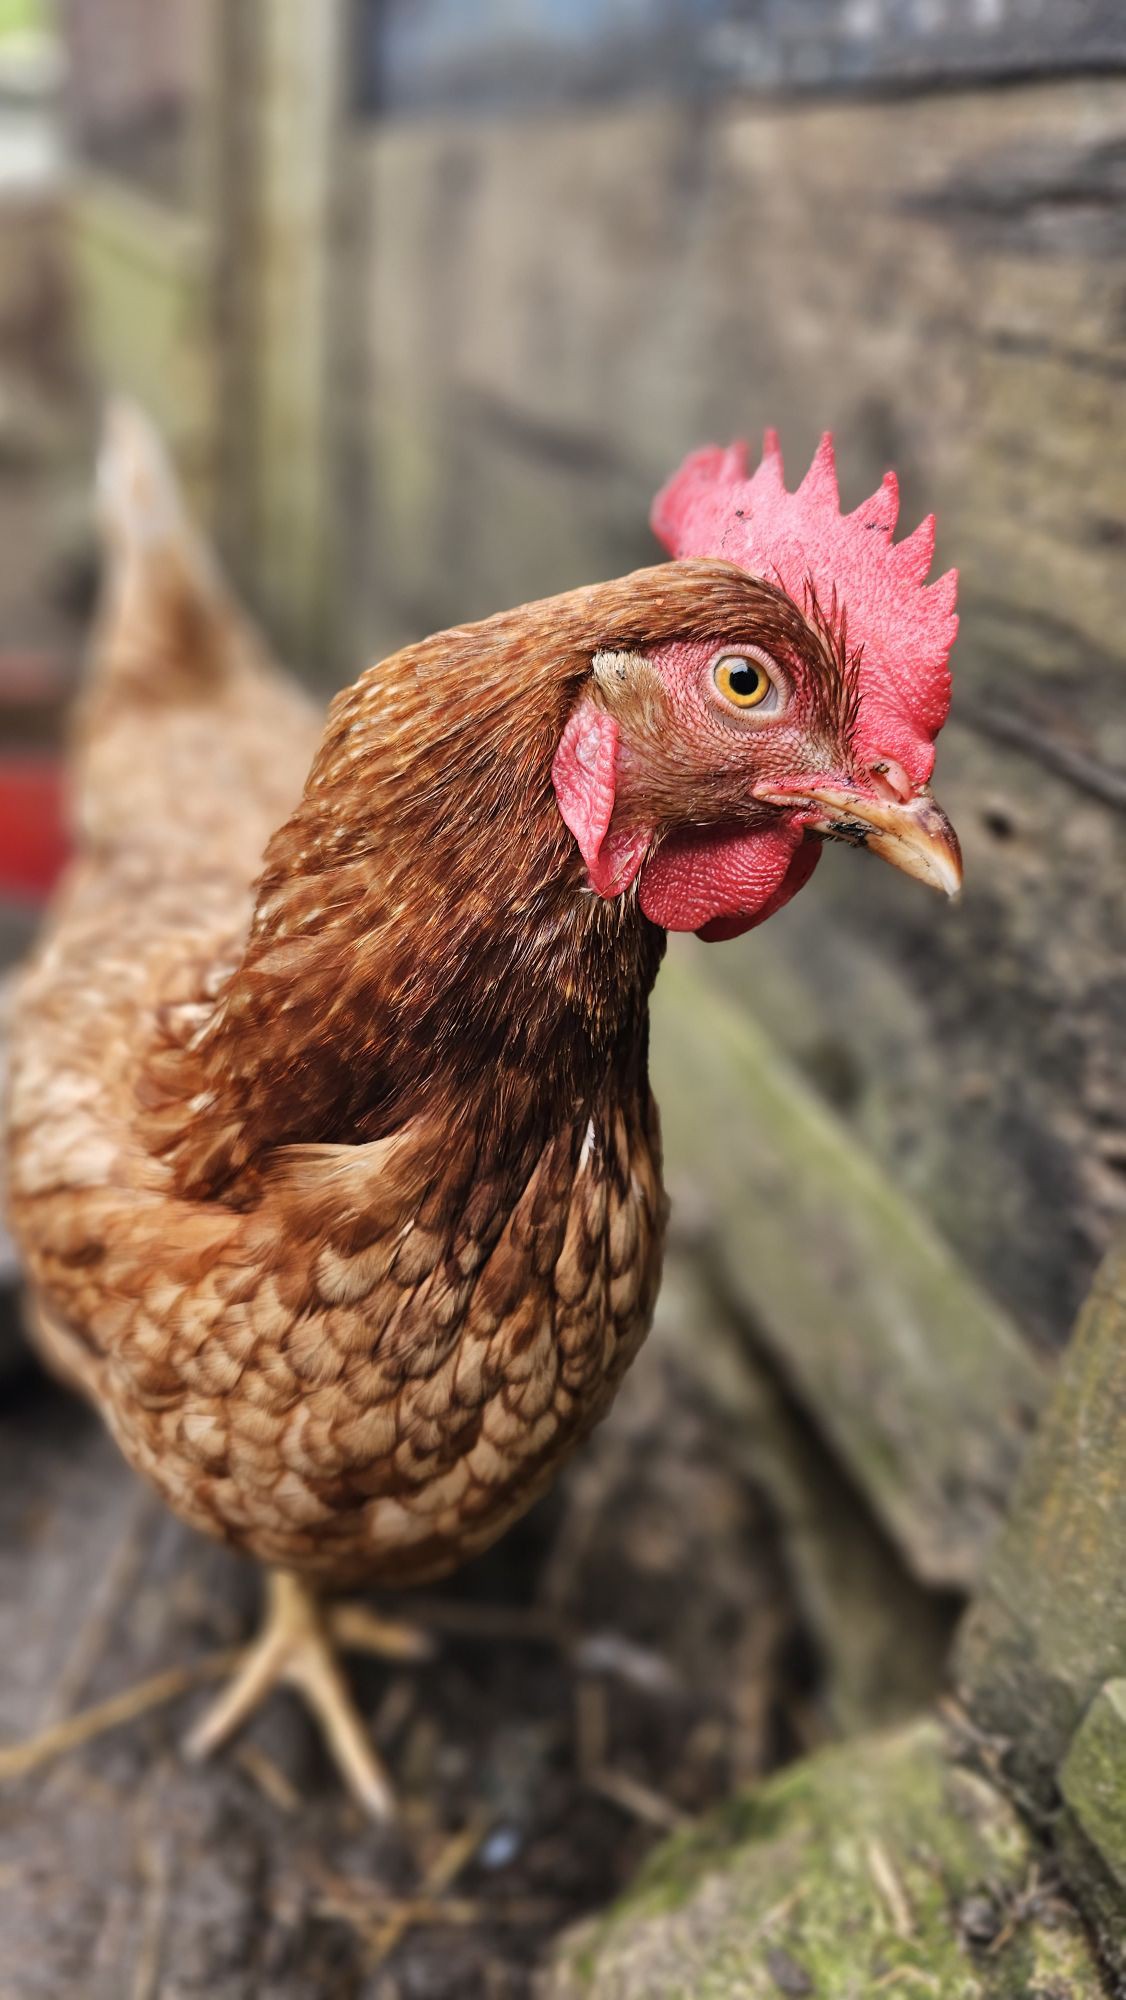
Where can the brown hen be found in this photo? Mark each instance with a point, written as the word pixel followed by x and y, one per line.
pixel 336 1173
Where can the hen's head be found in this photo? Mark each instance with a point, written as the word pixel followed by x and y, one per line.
pixel 709 768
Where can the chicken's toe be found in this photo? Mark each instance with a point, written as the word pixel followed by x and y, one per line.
pixel 298 1647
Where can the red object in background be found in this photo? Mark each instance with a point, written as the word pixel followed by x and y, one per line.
pixel 34 841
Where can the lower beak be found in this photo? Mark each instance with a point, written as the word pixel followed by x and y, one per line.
pixel 914 834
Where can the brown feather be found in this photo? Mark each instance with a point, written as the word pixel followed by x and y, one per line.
pixel 341 1194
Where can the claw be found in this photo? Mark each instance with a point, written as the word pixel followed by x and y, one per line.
pixel 298 1646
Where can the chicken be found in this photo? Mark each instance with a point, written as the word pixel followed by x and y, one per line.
pixel 335 1172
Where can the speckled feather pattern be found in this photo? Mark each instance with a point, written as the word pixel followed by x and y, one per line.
pixel 336 1172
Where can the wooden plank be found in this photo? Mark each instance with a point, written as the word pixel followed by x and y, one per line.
pixel 438 53
pixel 1049 1626
pixel 130 81
pixel 554 309
pixel 882 1638
pixel 294 116
pixel 225 192
pixel 904 43
pixel 141 274
pixel 1091 1833
pixel 924 1389
pixel 1048 1629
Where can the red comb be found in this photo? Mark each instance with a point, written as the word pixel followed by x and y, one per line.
pixel 904 626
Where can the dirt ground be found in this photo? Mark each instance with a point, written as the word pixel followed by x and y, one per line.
pixel 605 1674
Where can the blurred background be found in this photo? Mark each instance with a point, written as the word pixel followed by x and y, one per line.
pixel 429 300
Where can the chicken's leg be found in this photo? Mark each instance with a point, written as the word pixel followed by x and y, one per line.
pixel 299 1645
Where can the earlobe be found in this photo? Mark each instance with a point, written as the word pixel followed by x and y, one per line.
pixel 584 774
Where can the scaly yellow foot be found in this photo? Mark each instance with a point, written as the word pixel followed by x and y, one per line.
pixel 298 1646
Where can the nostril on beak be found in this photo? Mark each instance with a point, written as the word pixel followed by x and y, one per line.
pixel 891 780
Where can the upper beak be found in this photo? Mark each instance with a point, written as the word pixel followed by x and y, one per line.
pixel 914 834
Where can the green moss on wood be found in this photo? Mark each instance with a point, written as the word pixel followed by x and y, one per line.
pixel 1090 1835
pixel 1093 1779
pixel 883 1867
pixel 1049 1627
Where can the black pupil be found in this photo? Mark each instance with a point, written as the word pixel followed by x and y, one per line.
pixel 744 679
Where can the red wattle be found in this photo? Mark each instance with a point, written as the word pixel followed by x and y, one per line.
pixel 721 881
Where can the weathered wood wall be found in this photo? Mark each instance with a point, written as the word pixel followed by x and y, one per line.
pixel 131 74
pixel 422 53
pixel 554 306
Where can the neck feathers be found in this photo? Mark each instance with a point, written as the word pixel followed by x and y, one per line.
pixel 423 935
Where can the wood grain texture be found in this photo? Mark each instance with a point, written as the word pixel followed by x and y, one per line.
pixel 139 272
pixel 1038 1655
pixel 882 1637
pixel 923 1387
pixel 289 116
pixel 1049 1626
pixel 419 56
pixel 556 308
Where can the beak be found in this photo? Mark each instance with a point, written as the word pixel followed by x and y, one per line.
pixel 914 834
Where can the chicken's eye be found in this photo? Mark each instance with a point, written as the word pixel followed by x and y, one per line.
pixel 744 681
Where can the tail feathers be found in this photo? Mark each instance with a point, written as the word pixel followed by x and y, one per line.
pixel 166 611
pixel 140 504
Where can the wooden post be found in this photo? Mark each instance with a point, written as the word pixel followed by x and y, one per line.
pixel 226 189
pixel 302 55
pixel 277 69
pixel 141 252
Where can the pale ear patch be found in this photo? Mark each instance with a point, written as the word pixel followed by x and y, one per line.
pixel 630 676
pixel 613 670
